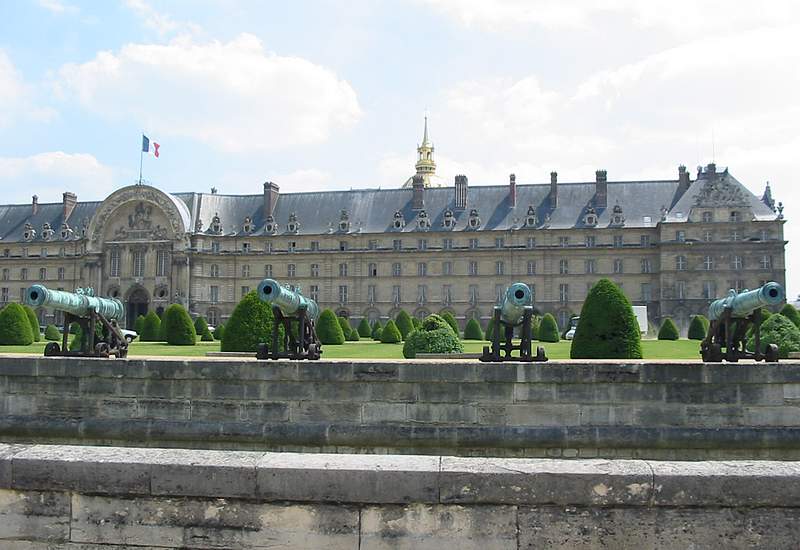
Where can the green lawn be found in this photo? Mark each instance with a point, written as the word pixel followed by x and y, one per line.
pixel 367 349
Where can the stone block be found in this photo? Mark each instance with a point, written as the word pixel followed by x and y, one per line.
pixel 490 392
pixel 606 415
pixel 393 391
pixel 449 371
pixel 286 391
pixel 226 411
pixel 112 470
pixel 702 394
pixel 352 478
pixel 487 372
pixel 34 516
pixel 43 385
pixel 259 411
pixel 383 412
pixel 373 371
pixel 673 373
pixel 543 481
pixel 307 411
pixel 7 453
pixel 433 527
pixel 648 393
pixel 123 408
pixel 165 409
pixel 442 413
pixel 761 394
pixel 583 393
pixel 537 393
pixel 772 416
pixel 714 415
pixel 439 392
pixel 338 371
pixel 339 391
pixel 217 474
pixel 544 415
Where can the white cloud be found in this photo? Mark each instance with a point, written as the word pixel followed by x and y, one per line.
pixel 249 182
pixel 232 95
pixel 50 174
pixel 57 6
pixel 16 96
pixel 159 21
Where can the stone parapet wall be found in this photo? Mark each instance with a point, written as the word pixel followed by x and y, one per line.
pixel 90 498
pixel 559 409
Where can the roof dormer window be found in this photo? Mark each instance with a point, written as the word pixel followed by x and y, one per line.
pixel 398 222
pixel 248 226
pixel 216 224
pixel 344 221
pixel 423 222
pixel 293 226
pixel 474 219
pixel 616 216
pixel 271 227
pixel 66 232
pixel 449 220
pixel 530 217
pixel 30 232
pixel 590 218
pixel 47 232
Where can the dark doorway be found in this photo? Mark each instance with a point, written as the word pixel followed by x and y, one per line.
pixel 137 305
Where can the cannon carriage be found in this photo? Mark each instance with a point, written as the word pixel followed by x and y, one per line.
pixel 298 316
pixel 515 310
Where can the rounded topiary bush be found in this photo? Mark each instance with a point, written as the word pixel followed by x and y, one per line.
pixel 791 313
pixel 364 330
pixel 435 322
pixel 451 320
pixel 472 330
pixel 249 325
pixel 390 334
pixel 346 328
pixel 698 328
pixel 668 330
pixel 178 326
pixel 403 323
pixel 37 335
pixel 435 335
pixel 353 336
pixel 51 333
pixel 782 332
pixel 138 325
pixel 329 330
pixel 219 331
pixel 548 329
pixel 151 327
pixel 607 328
pixel 15 327
pixel 376 330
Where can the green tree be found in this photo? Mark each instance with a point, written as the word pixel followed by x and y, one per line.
pixel 151 327
pixel 451 320
pixel 435 335
pixel 535 322
pixel 668 330
pixel 37 335
pixel 782 332
pixel 51 333
pixel 219 331
pixel 250 324
pixel 201 328
pixel 329 330
pixel 138 325
pixel 607 328
pixel 698 327
pixel 364 329
pixel 15 327
pixel 178 326
pixel 403 323
pixel 346 328
pixel 353 336
pixel 416 322
pixel 791 313
pixel 548 329
pixel 490 328
pixel 376 330
pixel 390 333
pixel 472 330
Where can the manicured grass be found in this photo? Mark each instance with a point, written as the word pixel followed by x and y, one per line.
pixel 368 349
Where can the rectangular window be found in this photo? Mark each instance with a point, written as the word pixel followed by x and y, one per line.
pixel 268 271
pixel 563 267
pixel 61 274
pixel 162 263
pixel 372 244
pixel 734 235
pixel 531 267
pixel 422 294
pixel 371 294
pixel 42 273
pixel 422 244
pixel 447 244
pixel 314 246
pixel 4 295
pixel 473 294
pixel 214 294
pixel 591 241
pixel 397 244
pixel 291 246
pixel 246 248
pixel 396 294
pixel 499 242
pixel 680 290
pixel 766 262
pixel 618 266
pixel 342 270
pixel 314 292
pixel 737 263
pixel 245 271
pixel 531 243
pixel 590 266
pixel 647 266
pixel 473 244
pixel 473 268
pixel 708 263
pixel 114 262
pixel 499 291
pixel 499 268
pixel 764 236
pixel 215 248
pixel 23 274
pixel 647 292
pixel 397 269
pixel 138 263
pixel 680 236
pixel 708 235
pixel 533 291
pixel 5 274
pixel 342 246
pixel 709 290
pixel 563 293
pixel 22 292
pixel 342 294
pixel 245 291
pixel 291 270
pixel 447 294
pixel 447 268
pixel 43 253
pixel 422 269
pixel 372 270
pixel 644 240
pixel 315 270
pixel 563 242
pixel 618 243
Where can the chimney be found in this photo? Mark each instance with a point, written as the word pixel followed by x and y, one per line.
pixel 683 180
pixel 69 200
pixel 512 190
pixel 711 168
pixel 461 192
pixel 601 189
pixel 271 191
pixel 34 205
pixel 418 189
pixel 553 189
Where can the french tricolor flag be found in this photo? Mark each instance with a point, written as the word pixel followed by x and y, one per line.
pixel 146 146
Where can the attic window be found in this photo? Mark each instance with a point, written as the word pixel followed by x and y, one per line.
pixel 449 220
pixel 474 219
pixel 344 221
pixel 66 232
pixel 216 225
pixel 398 222
pixel 247 227
pixel 590 218
pixel 530 217
pixel 271 226
pixel 617 218
pixel 47 232
pixel 293 226
pixel 735 217
pixel 30 232
pixel 423 222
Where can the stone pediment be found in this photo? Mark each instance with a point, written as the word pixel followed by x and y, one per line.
pixel 720 191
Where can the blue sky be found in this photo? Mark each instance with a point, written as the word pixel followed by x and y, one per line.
pixel 331 94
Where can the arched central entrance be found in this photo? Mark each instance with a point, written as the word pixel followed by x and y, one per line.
pixel 138 300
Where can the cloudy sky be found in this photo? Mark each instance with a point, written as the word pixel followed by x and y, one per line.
pixel 331 94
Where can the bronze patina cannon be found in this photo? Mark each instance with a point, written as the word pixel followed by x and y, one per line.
pixel 298 316
pixel 515 310
pixel 731 317
pixel 93 314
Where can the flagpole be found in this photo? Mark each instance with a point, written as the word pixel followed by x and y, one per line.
pixel 141 155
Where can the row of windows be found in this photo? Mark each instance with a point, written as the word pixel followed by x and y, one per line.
pixel 138 263
pixel 23 274
pixel 736 234
pixel 708 263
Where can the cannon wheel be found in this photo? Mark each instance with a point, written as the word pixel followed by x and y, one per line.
pixel 262 351
pixel 771 354
pixel 540 355
pixel 313 351
pixel 711 353
pixel 102 349
pixel 51 349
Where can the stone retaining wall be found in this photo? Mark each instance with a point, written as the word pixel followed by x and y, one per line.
pixel 675 411
pixel 93 498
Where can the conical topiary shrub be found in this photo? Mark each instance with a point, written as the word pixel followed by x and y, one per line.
pixel 698 327
pixel 250 324
pixel 329 330
pixel 447 316
pixel 490 327
pixel 15 327
pixel 219 331
pixel 201 328
pixel 416 322
pixel 535 322
pixel 390 333
pixel 51 333
pixel 346 328
pixel 178 327
pixel 607 328
pixel 548 329
pixel 403 323
pixel 668 330
pixel 791 313
pixel 151 327
pixel 472 330
pixel 364 330
pixel 376 330
pixel 37 335
pixel 138 325
pixel 353 336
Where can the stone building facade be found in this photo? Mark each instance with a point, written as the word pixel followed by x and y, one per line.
pixel 672 245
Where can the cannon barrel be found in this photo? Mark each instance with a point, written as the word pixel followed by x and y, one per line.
pixel 517 297
pixel 76 304
pixel 745 303
pixel 288 301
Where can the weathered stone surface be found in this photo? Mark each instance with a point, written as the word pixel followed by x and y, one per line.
pixel 542 481
pixel 33 515
pixel 181 472
pixel 7 453
pixel 348 478
pixel 434 527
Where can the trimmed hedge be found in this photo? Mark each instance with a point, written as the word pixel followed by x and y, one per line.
pixel 668 330
pixel 548 329
pixel 698 328
pixel 250 324
pixel 329 330
pixel 376 330
pixel 791 313
pixel 51 333
pixel 390 333
pixel 202 330
pixel 364 329
pixel 34 321
pixel 353 336
pixel 434 336
pixel 451 320
pixel 178 327
pixel 781 331
pixel 138 325
pixel 15 327
pixel 151 327
pixel 346 328
pixel 490 329
pixel 472 330
pixel 535 322
pixel 416 322
pixel 403 323
pixel 219 331
pixel 607 328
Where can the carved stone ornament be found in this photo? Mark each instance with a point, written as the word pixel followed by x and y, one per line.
pixel 423 222
pixel 247 226
pixel 590 218
pixel 720 191
pixel 530 217
pixel 66 232
pixel 398 222
pixel 198 226
pixel 449 220
pixel 344 221
pixel 30 232
pixel 474 219
pixel 47 231
pixel 293 226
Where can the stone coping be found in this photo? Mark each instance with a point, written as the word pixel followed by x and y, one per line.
pixel 397 479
